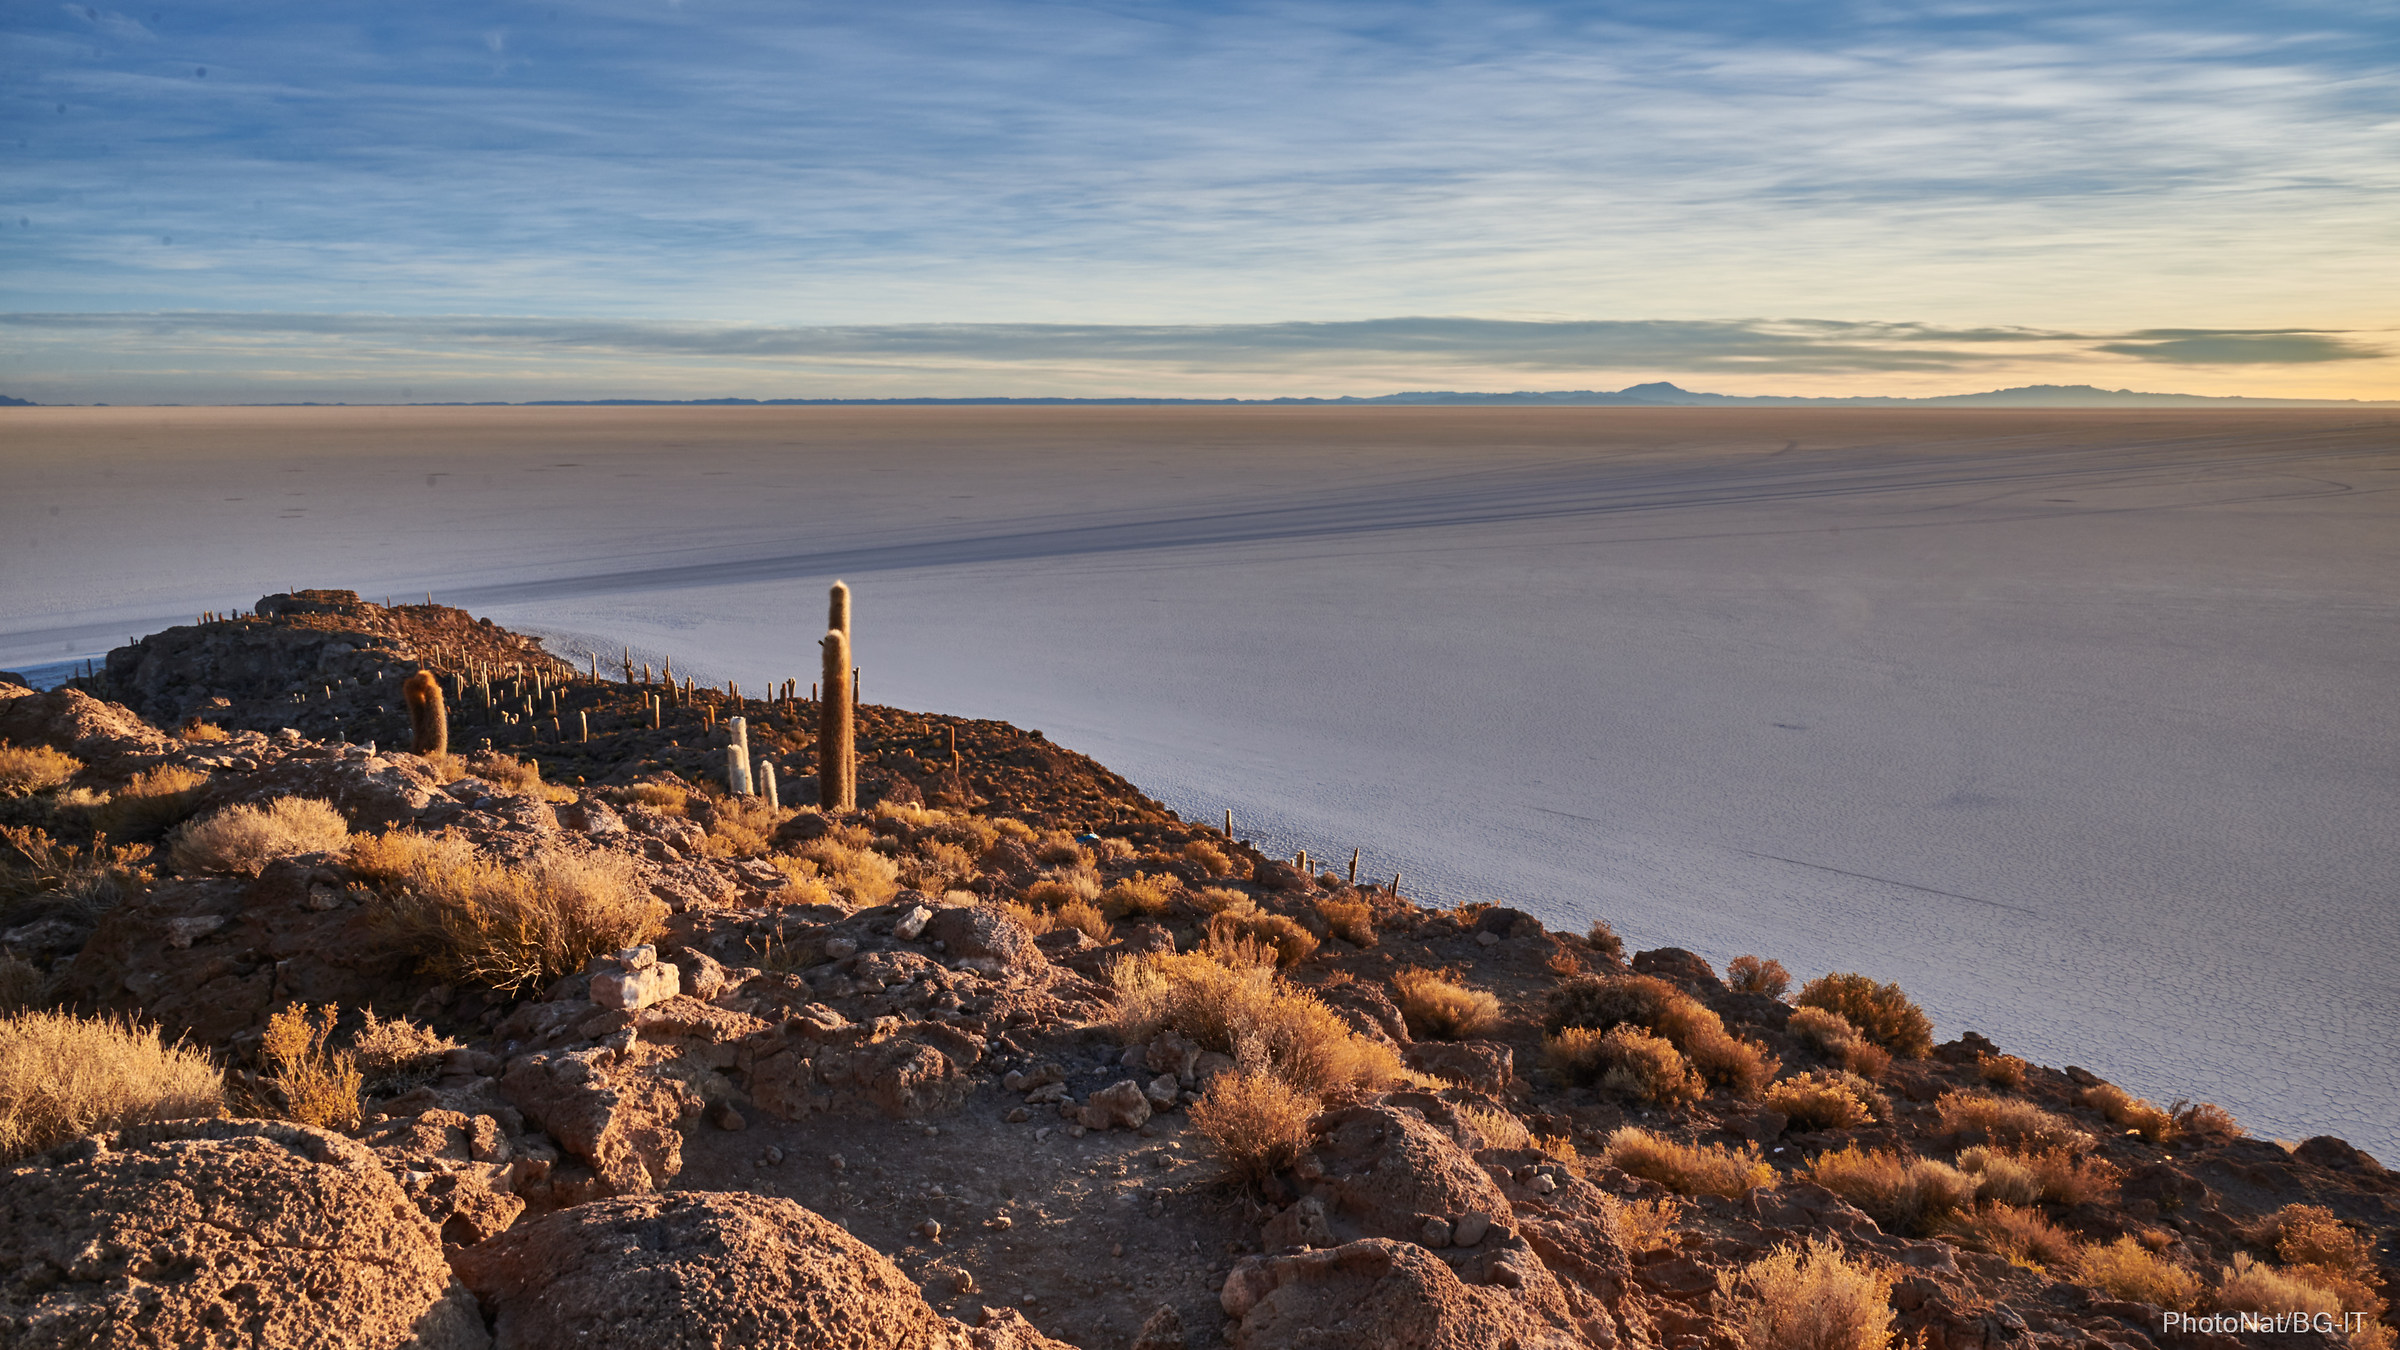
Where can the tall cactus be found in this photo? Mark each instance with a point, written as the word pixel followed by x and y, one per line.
pixel 836 789
pixel 737 755
pixel 428 720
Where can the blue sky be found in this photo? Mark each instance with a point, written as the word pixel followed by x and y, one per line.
pixel 505 200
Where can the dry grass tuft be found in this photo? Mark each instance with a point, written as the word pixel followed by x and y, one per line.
pixel 1140 895
pixel 2051 1176
pixel 664 798
pixel 1904 1195
pixel 1643 1226
pixel 244 839
pixel 2247 1286
pixel 1247 1011
pixel 2204 1120
pixel 510 928
pixel 1230 929
pixel 803 884
pixel 1497 1129
pixel 2321 1251
pixel 2003 1071
pixel 320 1085
pixel 1689 1169
pixel 22 984
pixel 34 768
pixel 1809 1297
pixel 1625 1060
pixel 2020 1235
pixel 1598 1002
pixel 1828 1100
pixel 845 862
pixel 1829 1036
pixel 1984 1117
pixel 1751 975
pixel 38 873
pixel 397 1051
pixel 1208 858
pixel 743 827
pixel 197 730
pixel 2127 1270
pixel 151 803
pixel 2131 1112
pixel 1353 921
pixel 1059 849
pixel 1881 1012
pixel 1257 1122
pixel 518 777
pixel 63 1076
pixel 1443 1009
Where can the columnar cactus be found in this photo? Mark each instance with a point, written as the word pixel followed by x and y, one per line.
pixel 737 755
pixel 428 721
pixel 836 789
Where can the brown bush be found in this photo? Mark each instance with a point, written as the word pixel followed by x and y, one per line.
pixel 1689 1169
pixel 2125 1269
pixel 38 873
pixel 1208 858
pixel 2000 1121
pixel 1291 943
pixel 2125 1109
pixel 1086 916
pixel 743 827
pixel 863 877
pixel 1625 1060
pixel 320 1085
pixel 34 768
pixel 1726 1061
pixel 397 1051
pixel 1809 1297
pixel 1905 1195
pixel 2247 1286
pixel 194 729
pixel 1881 1012
pixel 664 798
pixel 2321 1251
pixel 2054 1176
pixel 244 839
pixel 63 1076
pixel 2204 1120
pixel 1603 939
pixel 1751 975
pixel 22 984
pixel 1833 1100
pixel 1498 1129
pixel 1059 849
pixel 1256 1122
pixel 1829 1036
pixel 151 803
pixel 2020 1235
pixel 2003 1071
pixel 1443 1009
pixel 1247 1011
pixel 1140 895
pixel 507 927
pixel 1599 1002
pixel 1353 921
pixel 1642 1226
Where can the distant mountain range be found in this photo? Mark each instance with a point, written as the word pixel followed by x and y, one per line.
pixel 1656 394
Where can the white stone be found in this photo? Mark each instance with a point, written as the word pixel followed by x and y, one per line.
pixel 911 923
pixel 632 990
pixel 638 958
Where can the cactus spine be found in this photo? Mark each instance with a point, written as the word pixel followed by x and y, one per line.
pixel 428 721
pixel 836 789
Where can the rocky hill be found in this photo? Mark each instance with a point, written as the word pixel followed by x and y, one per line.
pixel 556 1042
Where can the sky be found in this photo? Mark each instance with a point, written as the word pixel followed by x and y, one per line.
pixel 437 201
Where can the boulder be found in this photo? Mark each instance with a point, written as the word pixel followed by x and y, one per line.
pixel 621 1121
pixel 1485 1066
pixel 228 1233
pixel 1377 1294
pixel 1382 1170
pixel 709 1268
pixel 1689 969
pixel 969 932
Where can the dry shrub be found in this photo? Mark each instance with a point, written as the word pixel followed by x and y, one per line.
pixel 1443 1009
pixel 1642 1226
pixel 2125 1269
pixel 664 798
pixel 2060 1176
pixel 1600 1002
pixel 320 1086
pixel 1881 1012
pixel 1723 1059
pixel 2019 1234
pixel 1219 899
pixel 2000 1176
pixel 1059 849
pixel 1084 915
pixel 743 827
pixel 517 777
pixel 2002 1071
pixel 244 839
pixel 1140 895
pixel 1751 975
pixel 2131 1112
pixel 803 884
pixel 63 1076
pixel 1247 1011
pixel 1257 1122
pixel 1834 1100
pixel 2204 1120
pixel 151 803
pixel 1904 1195
pixel 1034 921
pixel 1809 1297
pixel 1208 858
pixel 1603 939
pixel 1291 943
pixel 2320 1250
pixel 509 928
pixel 1498 1129
pixel 2247 1286
pixel 1010 827
pixel 1829 1036
pixel 398 1050
pixel 1995 1120
pixel 38 873
pixel 1077 882
pixel 1625 1060
pixel 34 768
pixel 197 730
pixel 1689 1169
pixel 22 984
pixel 939 865
pixel 866 877
pixel 1353 921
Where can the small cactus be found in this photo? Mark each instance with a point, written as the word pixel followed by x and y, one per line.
pixel 428 720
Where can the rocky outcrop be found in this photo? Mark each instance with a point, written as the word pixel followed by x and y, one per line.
pixel 708 1268
pixel 1378 1293
pixel 221 1233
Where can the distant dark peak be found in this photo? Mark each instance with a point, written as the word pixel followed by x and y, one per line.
pixel 7 402
pixel 1654 387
